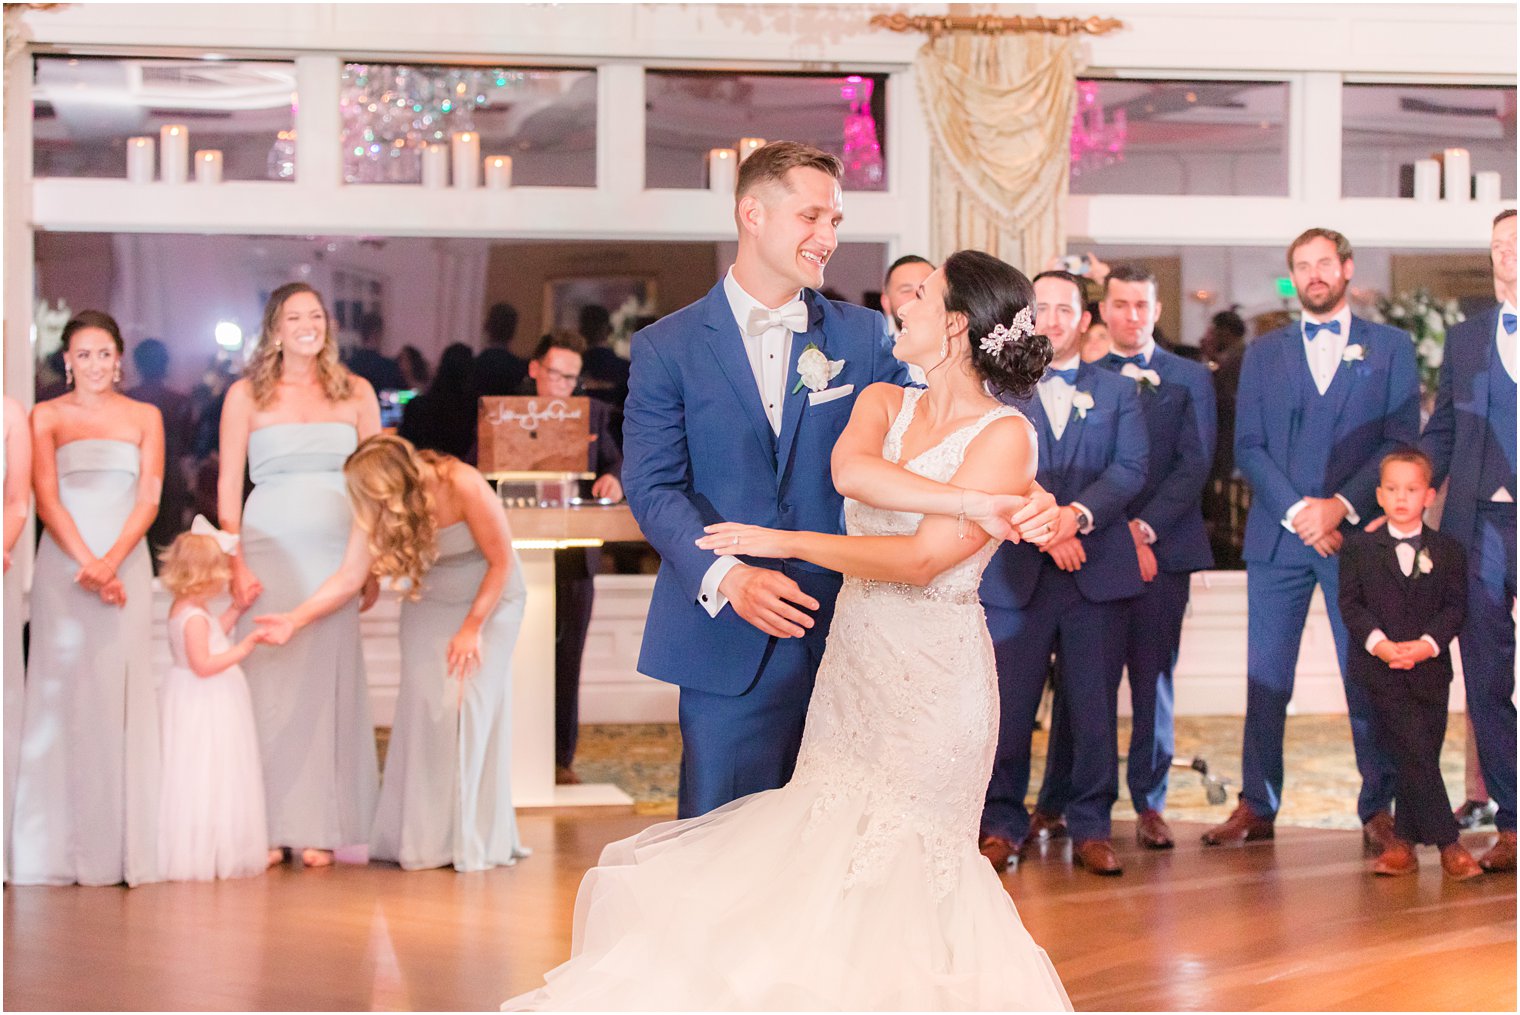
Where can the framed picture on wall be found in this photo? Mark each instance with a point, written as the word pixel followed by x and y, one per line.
pixel 564 297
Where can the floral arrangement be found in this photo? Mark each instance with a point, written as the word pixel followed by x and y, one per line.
pixel 1427 321
pixel 625 320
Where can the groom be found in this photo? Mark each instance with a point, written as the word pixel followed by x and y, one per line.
pixel 721 426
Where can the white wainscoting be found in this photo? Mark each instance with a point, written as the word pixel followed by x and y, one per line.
pixel 1211 673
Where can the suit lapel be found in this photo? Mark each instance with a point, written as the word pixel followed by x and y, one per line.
pixel 1485 361
pixel 728 348
pixel 1345 373
pixel 1390 554
pixel 793 405
pixel 1034 410
pixel 1076 423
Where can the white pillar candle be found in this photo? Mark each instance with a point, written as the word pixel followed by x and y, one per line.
pixel 208 166
pixel 1427 180
pixel 466 160
pixel 498 172
pixel 747 146
pixel 1458 174
pixel 174 144
pixel 722 170
pixel 1488 187
pixel 435 166
pixel 140 159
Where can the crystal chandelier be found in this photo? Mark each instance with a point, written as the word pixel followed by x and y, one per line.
pixel 1096 141
pixel 862 149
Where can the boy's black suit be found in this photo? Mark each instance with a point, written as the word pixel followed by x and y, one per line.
pixel 1409 706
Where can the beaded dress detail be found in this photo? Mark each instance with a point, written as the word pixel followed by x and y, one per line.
pixel 857 885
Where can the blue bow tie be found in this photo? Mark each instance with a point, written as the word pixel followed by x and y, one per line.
pixel 1312 328
pixel 1138 359
pixel 1509 323
pixel 1068 375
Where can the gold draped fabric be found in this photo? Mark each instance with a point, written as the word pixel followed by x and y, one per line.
pixel 999 110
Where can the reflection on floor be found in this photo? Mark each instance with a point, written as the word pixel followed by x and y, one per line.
pixel 1320 789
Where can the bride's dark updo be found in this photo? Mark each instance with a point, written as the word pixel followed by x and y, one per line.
pixel 991 292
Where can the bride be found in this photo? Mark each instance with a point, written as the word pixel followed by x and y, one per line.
pixel 858 884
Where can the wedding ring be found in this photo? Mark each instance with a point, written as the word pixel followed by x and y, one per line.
pixel 736 540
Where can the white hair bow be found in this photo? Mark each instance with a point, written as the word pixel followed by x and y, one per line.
pixel 226 540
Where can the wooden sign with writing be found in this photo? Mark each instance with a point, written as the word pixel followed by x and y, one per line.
pixel 526 433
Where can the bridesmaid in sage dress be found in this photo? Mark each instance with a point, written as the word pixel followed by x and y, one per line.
pixel 434 521
pixel 293 418
pixel 86 805
pixel 18 503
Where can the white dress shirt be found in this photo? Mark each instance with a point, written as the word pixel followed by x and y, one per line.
pixel 1325 351
pixel 1406 555
pixel 1506 341
pixel 770 356
pixel 1324 355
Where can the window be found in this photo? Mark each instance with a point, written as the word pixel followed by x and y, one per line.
pixel 85 110
pixel 1180 137
pixel 689 113
pixel 1386 128
pixel 545 120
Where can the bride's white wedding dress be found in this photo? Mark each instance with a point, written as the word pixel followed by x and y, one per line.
pixel 857 885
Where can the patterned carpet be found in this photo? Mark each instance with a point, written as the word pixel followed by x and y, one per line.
pixel 1320 790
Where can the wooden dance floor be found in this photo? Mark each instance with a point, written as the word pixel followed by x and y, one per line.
pixel 1294 925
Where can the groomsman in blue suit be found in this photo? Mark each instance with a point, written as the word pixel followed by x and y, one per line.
pixel 1320 403
pixel 1072 597
pixel 1471 438
pixel 719 428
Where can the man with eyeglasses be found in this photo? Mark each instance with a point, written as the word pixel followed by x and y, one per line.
pixel 554 372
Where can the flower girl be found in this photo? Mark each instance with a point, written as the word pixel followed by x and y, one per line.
pixel 211 812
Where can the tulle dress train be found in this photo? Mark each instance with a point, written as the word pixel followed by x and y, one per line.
pixel 858 885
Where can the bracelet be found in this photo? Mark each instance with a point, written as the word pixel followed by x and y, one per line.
pixel 960 519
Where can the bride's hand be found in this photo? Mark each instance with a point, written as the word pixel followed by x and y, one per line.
pixel 992 512
pixel 1035 521
pixel 731 539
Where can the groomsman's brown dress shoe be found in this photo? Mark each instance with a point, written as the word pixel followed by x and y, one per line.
pixel 1378 834
pixel 997 850
pixel 1243 825
pixel 1097 855
pixel 1152 831
pixel 1042 826
pixel 1458 863
pixel 1397 860
pixel 1502 857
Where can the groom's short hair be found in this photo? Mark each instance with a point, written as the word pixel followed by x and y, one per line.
pixel 770 163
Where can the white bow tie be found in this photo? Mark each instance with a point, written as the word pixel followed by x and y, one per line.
pixel 793 316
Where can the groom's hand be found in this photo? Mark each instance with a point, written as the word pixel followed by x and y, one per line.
pixel 764 598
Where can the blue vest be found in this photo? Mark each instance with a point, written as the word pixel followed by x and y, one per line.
pixel 1309 441
pixel 1498 469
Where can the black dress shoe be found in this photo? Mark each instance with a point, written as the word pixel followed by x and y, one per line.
pixel 1472 813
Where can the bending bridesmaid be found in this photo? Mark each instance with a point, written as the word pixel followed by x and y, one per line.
pixel 293 418
pixel 86 806
pixel 18 504
pixel 433 521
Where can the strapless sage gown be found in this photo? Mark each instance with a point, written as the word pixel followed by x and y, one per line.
pixel 446 799
pixel 86 807
pixel 310 696
pixel 857 886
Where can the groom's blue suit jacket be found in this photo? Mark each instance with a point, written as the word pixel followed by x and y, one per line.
pixel 699 449
pixel 1100 461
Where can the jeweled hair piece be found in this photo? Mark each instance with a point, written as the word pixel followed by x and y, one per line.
pixel 1023 327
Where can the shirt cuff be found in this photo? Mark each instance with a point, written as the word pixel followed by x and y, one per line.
pixel 1376 638
pixel 1083 527
pixel 1427 639
pixel 709 598
pixel 1351 515
pixel 1146 532
pixel 1293 511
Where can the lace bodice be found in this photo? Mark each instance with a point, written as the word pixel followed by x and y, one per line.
pixel 940 462
pixel 903 718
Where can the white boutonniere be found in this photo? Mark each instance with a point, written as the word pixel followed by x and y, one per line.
pixel 1147 380
pixel 815 370
pixel 1423 563
pixel 1082 401
pixel 1353 354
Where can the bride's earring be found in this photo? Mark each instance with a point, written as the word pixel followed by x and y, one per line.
pixel 944 347
pixel 116 379
pixel 68 374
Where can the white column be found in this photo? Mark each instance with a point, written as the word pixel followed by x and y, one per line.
pixel 319 123
pixel 908 156
pixel 620 128
pixel 1315 130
